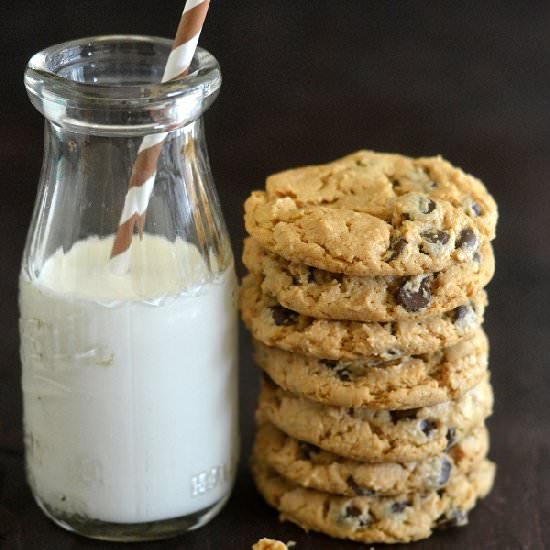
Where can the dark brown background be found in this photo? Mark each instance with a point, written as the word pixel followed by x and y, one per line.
pixel 306 82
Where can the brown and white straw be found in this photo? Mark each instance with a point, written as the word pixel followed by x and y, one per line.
pixel 144 170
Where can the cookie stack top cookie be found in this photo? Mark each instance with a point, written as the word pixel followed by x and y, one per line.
pixel 373 214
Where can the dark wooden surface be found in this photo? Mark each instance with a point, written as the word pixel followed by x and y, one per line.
pixel 306 82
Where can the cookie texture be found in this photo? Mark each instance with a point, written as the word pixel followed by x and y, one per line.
pixel 403 383
pixel 373 214
pixel 370 519
pixel 275 325
pixel 367 434
pixel 309 466
pixel 325 295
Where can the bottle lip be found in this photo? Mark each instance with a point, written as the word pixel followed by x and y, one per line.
pixel 130 108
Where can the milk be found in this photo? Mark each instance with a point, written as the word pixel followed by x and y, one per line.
pixel 129 382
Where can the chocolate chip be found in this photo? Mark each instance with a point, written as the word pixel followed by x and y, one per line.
pixel 476 208
pixel 436 236
pixel 395 182
pixel 355 512
pixel 357 489
pixel 352 511
pixel 307 450
pixel 455 518
pixel 399 506
pixel 283 316
pixel 311 275
pixel 429 207
pixel 461 312
pixel 466 239
pixel 344 374
pixel 445 473
pixel 414 294
pixel 451 437
pixel 428 425
pixel 396 248
pixel 433 184
pixel 406 414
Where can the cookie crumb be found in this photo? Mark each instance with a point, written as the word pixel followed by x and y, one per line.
pixel 272 544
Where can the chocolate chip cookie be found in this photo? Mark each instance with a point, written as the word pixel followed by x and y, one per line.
pixel 370 519
pixel 305 464
pixel 373 214
pixel 403 383
pixel 275 325
pixel 362 433
pixel 322 294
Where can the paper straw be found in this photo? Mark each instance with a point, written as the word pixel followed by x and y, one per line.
pixel 144 170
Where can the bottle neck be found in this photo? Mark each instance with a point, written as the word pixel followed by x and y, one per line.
pixel 110 86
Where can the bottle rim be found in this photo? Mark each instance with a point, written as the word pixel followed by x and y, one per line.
pixel 140 108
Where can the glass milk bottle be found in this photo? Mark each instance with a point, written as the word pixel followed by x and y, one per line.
pixel 129 378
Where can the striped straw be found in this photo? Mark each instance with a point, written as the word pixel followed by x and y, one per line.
pixel 144 170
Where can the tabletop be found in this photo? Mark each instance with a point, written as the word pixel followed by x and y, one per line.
pixel 307 82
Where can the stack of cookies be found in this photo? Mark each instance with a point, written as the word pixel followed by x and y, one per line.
pixel 365 300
